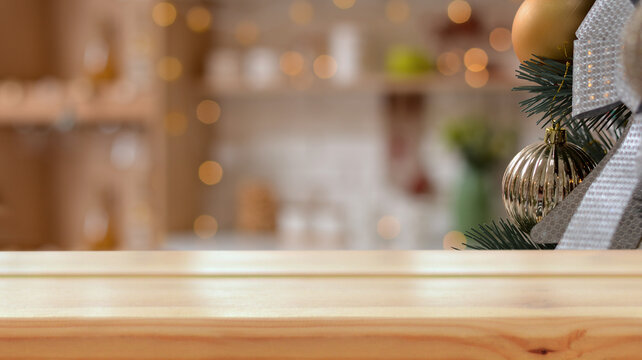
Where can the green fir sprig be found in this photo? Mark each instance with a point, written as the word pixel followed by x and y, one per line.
pixel 501 236
pixel 552 97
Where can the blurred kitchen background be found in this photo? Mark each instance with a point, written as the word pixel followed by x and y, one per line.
pixel 252 124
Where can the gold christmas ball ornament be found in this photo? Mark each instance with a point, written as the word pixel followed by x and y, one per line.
pixel 541 176
pixel 547 28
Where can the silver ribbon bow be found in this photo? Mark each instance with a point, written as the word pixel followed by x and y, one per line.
pixel 605 211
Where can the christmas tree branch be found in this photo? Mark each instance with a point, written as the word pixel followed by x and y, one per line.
pixel 552 89
pixel 596 143
pixel 552 97
pixel 502 236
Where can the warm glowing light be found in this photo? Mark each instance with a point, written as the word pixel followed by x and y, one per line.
pixel 454 240
pixel 164 14
pixel 344 4
pixel 291 63
pixel 397 11
pixel 175 124
pixel 210 172
pixel 301 12
pixel 475 59
pixel 199 19
pixel 388 227
pixel 324 67
pixel 449 63
pixel 500 39
pixel 246 33
pixel 459 11
pixel 208 111
pixel 477 79
pixel 169 68
pixel 205 226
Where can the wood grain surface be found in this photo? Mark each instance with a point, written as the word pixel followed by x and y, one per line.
pixel 321 305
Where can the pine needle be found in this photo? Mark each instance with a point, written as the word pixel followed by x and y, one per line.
pixel 502 236
pixel 552 97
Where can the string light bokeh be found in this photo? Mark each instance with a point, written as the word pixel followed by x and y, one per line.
pixel 208 111
pixel 164 13
pixel 500 39
pixel 210 172
pixel 277 94
pixel 449 63
pixel 388 227
pixel 291 63
pixel 344 4
pixel 205 226
pixel 475 59
pixel 199 19
pixel 477 79
pixel 325 66
pixel 169 68
pixel 459 11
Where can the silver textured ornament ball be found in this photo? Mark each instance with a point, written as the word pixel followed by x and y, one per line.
pixel 541 176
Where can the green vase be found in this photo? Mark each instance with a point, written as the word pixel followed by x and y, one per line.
pixel 472 202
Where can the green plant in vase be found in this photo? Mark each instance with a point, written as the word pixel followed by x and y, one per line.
pixel 481 146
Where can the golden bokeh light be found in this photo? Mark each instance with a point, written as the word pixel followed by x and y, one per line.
pixel 500 39
pixel 169 68
pixel 476 59
pixel 324 67
pixel 477 79
pixel 246 33
pixel 210 172
pixel 388 227
pixel 454 240
pixel 164 14
pixel 397 11
pixel 449 63
pixel 291 63
pixel 301 12
pixel 344 4
pixel 208 111
pixel 199 19
pixel 175 123
pixel 205 226
pixel 459 11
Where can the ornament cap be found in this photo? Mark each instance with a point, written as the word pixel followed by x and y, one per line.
pixel 555 136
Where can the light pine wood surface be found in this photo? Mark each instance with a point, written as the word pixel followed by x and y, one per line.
pixel 321 305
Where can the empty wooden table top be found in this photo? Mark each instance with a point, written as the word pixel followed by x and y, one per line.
pixel 321 305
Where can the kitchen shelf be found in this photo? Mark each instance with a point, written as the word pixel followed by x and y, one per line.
pixel 377 84
pixel 94 112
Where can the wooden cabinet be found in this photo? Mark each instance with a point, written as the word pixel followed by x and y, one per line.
pixel 81 155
